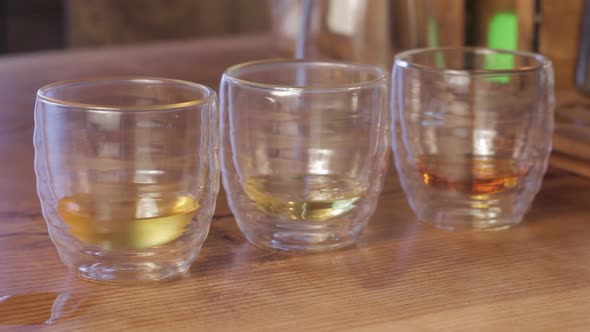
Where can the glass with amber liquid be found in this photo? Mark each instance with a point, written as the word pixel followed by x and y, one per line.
pixel 127 174
pixel 304 150
pixel 472 133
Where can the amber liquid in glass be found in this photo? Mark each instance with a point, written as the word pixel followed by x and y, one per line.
pixel 126 224
pixel 474 175
pixel 304 197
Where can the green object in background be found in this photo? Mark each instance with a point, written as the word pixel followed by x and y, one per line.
pixel 502 34
pixel 432 31
pixel 433 41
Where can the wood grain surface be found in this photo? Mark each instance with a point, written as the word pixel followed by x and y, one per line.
pixel 401 276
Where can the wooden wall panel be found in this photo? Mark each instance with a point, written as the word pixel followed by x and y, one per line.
pixel 559 37
pixel 450 18
pixel 525 9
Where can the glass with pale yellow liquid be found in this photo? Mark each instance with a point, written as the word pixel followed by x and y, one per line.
pixel 304 150
pixel 127 174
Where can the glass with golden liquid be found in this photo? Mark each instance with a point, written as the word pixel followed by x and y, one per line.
pixel 304 149
pixel 472 133
pixel 127 223
pixel 127 174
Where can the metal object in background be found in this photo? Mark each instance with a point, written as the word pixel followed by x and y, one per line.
pixel 358 30
pixel 583 66
pixel 372 31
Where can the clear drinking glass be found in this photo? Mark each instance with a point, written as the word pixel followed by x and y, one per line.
pixel 127 174
pixel 304 150
pixel 472 132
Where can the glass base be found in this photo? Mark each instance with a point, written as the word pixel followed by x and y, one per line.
pixel 468 223
pixel 128 268
pixel 131 273
pixel 301 238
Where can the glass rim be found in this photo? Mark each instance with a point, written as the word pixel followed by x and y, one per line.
pixel 209 97
pixel 401 59
pixel 382 75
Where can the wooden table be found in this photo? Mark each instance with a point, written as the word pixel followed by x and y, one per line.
pixel 401 275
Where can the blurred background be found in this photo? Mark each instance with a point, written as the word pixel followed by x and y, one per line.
pixel 32 25
pixel 370 31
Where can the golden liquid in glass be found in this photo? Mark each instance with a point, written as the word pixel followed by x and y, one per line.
pixel 304 197
pixel 126 224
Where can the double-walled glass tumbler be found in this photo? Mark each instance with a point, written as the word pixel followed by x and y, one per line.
pixel 472 133
pixel 304 150
pixel 127 174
